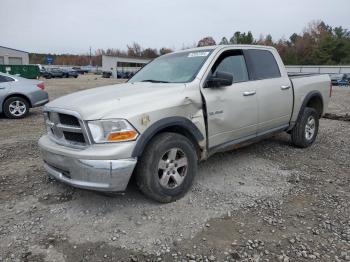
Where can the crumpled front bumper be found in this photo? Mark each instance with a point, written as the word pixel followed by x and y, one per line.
pixel 101 175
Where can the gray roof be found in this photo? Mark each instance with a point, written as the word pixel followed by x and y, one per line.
pixel 14 49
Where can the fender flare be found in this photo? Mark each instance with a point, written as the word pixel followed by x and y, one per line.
pixel 306 100
pixel 152 130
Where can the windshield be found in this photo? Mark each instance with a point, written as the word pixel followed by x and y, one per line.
pixel 173 68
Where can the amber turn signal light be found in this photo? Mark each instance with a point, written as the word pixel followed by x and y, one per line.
pixel 123 135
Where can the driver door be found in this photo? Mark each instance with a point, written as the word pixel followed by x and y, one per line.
pixel 232 111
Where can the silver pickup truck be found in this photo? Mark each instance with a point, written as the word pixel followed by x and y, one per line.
pixel 176 111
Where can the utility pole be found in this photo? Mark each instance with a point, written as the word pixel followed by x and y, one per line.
pixel 90 57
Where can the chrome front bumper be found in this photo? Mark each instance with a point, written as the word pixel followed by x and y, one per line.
pixel 99 175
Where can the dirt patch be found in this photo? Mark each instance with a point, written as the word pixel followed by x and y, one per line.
pixel 345 117
pixel 53 199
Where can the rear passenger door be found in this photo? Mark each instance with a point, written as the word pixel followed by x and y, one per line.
pixel 273 89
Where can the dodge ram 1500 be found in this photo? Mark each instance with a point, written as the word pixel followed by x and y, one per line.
pixel 176 111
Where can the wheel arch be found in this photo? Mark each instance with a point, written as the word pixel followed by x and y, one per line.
pixel 179 125
pixel 16 95
pixel 314 100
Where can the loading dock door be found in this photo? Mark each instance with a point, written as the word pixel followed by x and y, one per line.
pixel 15 60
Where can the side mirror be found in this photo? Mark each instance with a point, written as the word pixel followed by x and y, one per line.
pixel 220 79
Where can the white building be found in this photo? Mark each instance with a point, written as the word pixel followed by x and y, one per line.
pixel 10 56
pixel 116 64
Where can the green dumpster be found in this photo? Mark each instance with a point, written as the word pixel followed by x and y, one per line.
pixel 26 71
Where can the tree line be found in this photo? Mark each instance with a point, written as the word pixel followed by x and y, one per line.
pixel 318 44
pixel 134 50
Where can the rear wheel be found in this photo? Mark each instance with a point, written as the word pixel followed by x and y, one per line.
pixel 16 107
pixel 166 169
pixel 305 130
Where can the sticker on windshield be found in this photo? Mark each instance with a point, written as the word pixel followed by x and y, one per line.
pixel 196 54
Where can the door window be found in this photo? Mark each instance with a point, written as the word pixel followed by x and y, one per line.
pixel 5 79
pixel 262 64
pixel 232 62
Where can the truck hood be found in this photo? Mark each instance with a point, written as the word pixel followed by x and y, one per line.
pixel 116 101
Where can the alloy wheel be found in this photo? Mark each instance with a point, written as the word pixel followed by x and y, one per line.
pixel 172 168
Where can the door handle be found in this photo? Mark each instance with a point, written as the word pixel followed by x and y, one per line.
pixel 249 93
pixel 285 87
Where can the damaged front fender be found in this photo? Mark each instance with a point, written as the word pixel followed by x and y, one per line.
pixel 163 124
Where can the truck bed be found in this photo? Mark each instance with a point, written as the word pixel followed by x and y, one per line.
pixel 304 84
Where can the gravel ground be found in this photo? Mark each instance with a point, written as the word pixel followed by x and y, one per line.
pixel 265 202
pixel 340 102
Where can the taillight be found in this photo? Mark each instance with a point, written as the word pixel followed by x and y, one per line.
pixel 41 85
pixel 330 89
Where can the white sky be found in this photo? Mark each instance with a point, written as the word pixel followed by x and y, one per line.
pixel 71 26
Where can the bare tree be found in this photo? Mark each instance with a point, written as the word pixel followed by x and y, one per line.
pixel 134 50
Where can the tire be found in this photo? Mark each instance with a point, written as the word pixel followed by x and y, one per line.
pixel 165 181
pixel 16 107
pixel 306 128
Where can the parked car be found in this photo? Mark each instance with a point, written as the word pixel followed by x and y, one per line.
pixel 343 82
pixel 44 73
pixel 87 68
pixel 69 73
pixel 125 75
pixel 18 95
pixel 106 74
pixel 179 109
pixel 340 79
pixel 121 75
pixel 335 78
pixel 79 70
pixel 52 73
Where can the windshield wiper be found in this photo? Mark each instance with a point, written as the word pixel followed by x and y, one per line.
pixel 154 81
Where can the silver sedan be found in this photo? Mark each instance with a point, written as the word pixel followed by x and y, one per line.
pixel 18 95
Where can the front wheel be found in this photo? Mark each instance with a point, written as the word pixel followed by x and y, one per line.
pixel 166 169
pixel 305 130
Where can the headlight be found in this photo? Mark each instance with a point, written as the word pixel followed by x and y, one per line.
pixel 114 130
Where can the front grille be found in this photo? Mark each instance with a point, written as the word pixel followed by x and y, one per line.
pixel 77 137
pixel 68 120
pixel 65 128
